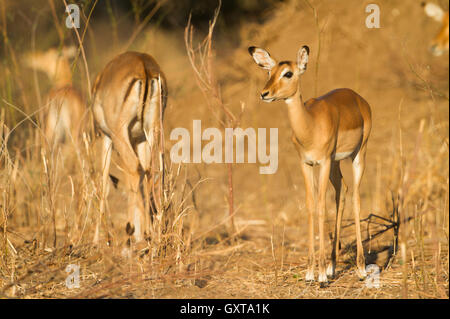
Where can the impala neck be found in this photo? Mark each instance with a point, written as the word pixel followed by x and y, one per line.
pixel 300 118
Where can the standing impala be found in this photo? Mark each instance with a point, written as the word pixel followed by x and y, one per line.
pixel 128 94
pixel 439 44
pixel 326 129
pixel 65 107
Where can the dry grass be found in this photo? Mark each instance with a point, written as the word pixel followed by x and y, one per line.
pixel 49 201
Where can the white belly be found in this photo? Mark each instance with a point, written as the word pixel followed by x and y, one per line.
pixel 342 155
pixel 310 159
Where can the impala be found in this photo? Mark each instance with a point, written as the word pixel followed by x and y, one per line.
pixel 439 44
pixel 129 100
pixel 65 107
pixel 326 129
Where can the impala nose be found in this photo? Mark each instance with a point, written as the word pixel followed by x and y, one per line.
pixel 264 94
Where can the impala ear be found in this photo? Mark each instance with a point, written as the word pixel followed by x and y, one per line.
pixel 262 58
pixel 302 58
pixel 433 11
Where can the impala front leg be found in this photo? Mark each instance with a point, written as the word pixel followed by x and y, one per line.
pixel 308 175
pixel 323 183
pixel 340 191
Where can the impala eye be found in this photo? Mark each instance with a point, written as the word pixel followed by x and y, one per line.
pixel 288 74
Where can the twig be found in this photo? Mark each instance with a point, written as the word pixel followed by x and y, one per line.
pixel 201 60
pixel 83 53
pixel 142 25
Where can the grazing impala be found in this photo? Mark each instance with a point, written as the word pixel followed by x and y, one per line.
pixel 65 107
pixel 326 129
pixel 129 100
pixel 439 44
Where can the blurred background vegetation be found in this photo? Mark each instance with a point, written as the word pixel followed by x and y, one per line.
pixel 23 15
pixel 113 26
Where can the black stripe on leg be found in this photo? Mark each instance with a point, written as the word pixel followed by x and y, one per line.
pixel 127 93
pixel 144 100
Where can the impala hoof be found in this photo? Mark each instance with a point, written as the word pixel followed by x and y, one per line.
pixel 323 280
pixel 309 278
pixel 331 271
pixel 362 274
pixel 323 284
pixel 129 229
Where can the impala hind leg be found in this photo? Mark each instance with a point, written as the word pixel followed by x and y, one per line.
pixel 308 175
pixel 321 208
pixel 135 224
pixel 358 166
pixel 340 191
pixel 106 163
pixel 144 152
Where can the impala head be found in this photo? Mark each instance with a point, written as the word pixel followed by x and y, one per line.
pixel 53 62
pixel 284 76
pixel 439 44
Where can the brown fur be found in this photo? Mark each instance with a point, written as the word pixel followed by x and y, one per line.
pixel 326 130
pixel 65 107
pixel 127 110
